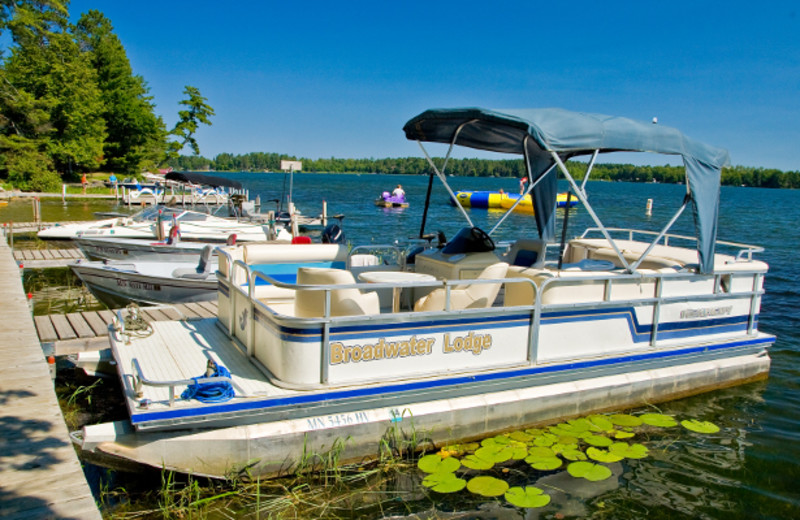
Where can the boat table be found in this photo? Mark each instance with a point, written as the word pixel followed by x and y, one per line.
pixel 396 277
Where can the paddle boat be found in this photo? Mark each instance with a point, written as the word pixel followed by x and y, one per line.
pixel 501 200
pixel 454 342
pixel 387 200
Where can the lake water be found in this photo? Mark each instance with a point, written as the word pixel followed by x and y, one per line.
pixel 750 469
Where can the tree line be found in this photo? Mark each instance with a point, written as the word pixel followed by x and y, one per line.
pixel 70 103
pixel 259 162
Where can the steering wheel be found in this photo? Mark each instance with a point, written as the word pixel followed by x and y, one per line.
pixel 483 237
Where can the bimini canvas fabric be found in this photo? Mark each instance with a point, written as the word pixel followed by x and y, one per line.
pixel 543 131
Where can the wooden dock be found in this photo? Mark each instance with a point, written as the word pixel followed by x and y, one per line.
pixel 40 475
pixel 44 258
pixel 64 334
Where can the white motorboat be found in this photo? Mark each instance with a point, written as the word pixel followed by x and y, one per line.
pixel 471 342
pixel 154 223
pixel 118 283
pixel 169 250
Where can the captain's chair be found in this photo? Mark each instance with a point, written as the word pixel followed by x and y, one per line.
pixel 472 296
pixel 344 302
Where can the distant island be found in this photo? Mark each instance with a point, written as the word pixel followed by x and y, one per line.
pixel 260 161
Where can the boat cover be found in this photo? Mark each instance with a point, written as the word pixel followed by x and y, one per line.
pixel 205 180
pixel 569 134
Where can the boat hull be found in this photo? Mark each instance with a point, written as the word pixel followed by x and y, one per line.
pixel 117 288
pixel 272 448
pixel 121 249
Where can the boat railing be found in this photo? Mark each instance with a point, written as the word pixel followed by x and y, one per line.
pixel 743 251
pixel 720 282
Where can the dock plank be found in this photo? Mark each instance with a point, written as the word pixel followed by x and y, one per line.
pixel 62 326
pixel 45 328
pixel 98 325
pixel 79 325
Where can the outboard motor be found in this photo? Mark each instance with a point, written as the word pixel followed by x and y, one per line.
pixel 332 234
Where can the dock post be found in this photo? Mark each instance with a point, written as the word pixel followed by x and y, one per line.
pixel 63 193
pixel 324 213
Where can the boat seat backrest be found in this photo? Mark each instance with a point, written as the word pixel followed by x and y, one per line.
pixel 467 296
pixel 363 260
pixel 344 302
pixel 526 253
pixel 203 269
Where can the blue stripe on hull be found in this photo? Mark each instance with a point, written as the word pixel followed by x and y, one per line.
pixel 400 389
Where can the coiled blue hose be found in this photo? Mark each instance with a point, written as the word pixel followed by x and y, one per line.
pixel 210 392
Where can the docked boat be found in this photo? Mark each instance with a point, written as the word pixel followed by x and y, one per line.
pixel 118 283
pixel 154 282
pixel 170 249
pixel 453 342
pixel 501 200
pixel 154 223
pixel 387 200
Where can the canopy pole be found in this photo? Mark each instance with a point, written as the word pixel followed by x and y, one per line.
pixel 686 200
pixel 531 184
pixel 427 203
pixel 588 172
pixel 589 210
pixel 564 231
pixel 440 174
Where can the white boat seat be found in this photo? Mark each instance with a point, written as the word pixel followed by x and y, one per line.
pixel 526 253
pixel 344 302
pixel 467 296
pixel 363 260
pixel 203 269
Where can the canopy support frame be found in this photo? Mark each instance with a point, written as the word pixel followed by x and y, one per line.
pixel 440 174
pixel 531 184
pixel 582 197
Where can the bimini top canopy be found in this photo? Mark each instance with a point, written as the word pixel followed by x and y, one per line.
pixel 544 133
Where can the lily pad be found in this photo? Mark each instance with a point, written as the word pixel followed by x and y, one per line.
pixel 598 440
pixel 629 451
pixel 584 424
pixel 603 455
pixel 477 463
pixel 528 496
pixel 624 419
pixel 601 421
pixel 521 436
pixel 700 426
pixel 434 463
pixel 541 452
pixel 545 463
pixel 444 482
pixel 589 471
pixel 573 454
pixel 496 453
pixel 487 486
pixel 545 439
pixel 534 431
pixel 622 434
pixel 657 419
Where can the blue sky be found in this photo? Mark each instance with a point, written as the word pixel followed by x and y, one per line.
pixel 339 79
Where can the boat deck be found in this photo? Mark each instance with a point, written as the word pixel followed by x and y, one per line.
pixel 178 351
